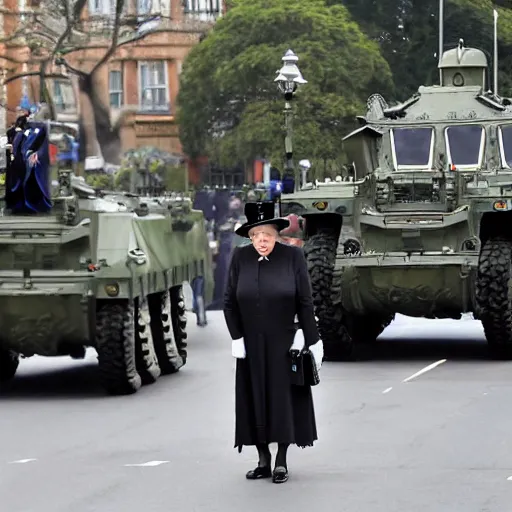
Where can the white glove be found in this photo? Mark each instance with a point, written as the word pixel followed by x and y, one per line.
pixel 298 340
pixel 318 353
pixel 238 348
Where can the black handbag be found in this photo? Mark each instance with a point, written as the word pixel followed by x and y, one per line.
pixel 303 368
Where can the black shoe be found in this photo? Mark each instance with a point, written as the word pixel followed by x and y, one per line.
pixel 280 475
pixel 259 472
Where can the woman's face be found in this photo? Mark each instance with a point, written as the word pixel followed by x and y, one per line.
pixel 263 238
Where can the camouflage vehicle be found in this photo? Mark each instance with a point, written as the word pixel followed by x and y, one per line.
pixel 92 272
pixel 422 226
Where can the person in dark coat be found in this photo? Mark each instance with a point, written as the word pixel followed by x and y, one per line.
pixel 268 286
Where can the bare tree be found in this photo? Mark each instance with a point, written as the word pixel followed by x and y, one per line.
pixel 52 31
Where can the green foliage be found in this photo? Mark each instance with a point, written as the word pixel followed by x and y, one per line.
pixel 229 106
pixel 99 180
pixel 408 34
pixel 164 168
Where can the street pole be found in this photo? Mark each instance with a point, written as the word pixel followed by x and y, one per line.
pixel 288 79
pixel 288 147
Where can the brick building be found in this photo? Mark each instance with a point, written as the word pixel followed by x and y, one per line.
pixel 141 77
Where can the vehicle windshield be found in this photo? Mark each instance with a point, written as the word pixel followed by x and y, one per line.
pixel 506 145
pixel 412 147
pixel 464 144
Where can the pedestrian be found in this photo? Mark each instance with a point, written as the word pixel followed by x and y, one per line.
pixel 268 285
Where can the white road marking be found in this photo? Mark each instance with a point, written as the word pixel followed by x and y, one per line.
pixel 386 391
pixel 151 463
pixel 22 461
pixel 425 370
pixel 509 478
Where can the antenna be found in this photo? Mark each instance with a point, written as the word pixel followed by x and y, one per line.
pixel 495 66
pixel 441 37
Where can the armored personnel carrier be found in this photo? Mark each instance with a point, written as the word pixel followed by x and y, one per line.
pixel 78 270
pixel 423 225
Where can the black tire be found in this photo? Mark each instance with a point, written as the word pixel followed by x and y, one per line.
pixel 164 341
pixel 146 359
pixel 365 329
pixel 179 320
pixel 320 251
pixel 115 344
pixel 9 362
pixel 493 298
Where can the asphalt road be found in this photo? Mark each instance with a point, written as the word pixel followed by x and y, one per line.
pixel 438 442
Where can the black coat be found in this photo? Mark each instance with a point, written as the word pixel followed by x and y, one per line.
pixel 260 304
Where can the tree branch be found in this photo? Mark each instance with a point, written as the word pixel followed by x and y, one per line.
pixel 70 23
pixel 32 73
pixel 135 39
pixel 62 62
pixel 10 59
pixel 115 37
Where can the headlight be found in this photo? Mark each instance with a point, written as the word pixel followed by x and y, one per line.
pixel 500 205
pixel 138 256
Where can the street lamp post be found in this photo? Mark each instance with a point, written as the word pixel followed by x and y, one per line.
pixel 288 79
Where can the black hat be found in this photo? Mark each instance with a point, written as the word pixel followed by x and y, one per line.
pixel 259 214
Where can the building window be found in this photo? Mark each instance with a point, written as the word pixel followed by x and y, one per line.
pixel 115 88
pixel 154 89
pixel 105 7
pixel 203 9
pixel 99 7
pixel 144 7
pixel 63 97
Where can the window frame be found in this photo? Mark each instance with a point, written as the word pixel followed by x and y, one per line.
pixel 106 8
pixel 420 168
pixel 115 91
pixel 167 108
pixel 481 151
pixel 201 10
pixel 503 158
pixel 59 88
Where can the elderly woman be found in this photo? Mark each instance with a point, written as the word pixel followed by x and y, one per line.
pixel 268 286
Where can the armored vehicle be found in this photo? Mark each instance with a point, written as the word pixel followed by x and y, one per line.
pixel 88 271
pixel 422 227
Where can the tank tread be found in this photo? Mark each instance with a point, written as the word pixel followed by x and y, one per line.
pixel 493 298
pixel 320 251
pixel 9 362
pixel 115 344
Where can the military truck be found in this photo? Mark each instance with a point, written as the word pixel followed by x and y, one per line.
pixel 422 225
pixel 98 272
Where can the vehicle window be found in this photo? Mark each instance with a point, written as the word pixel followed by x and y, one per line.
pixel 506 144
pixel 464 144
pixel 412 146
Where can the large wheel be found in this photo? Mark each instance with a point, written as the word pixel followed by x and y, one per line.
pixel 115 344
pixel 493 297
pixel 320 251
pixel 146 359
pixel 365 329
pixel 179 320
pixel 9 362
pixel 166 349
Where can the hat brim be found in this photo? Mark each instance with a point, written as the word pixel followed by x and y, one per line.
pixel 244 229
